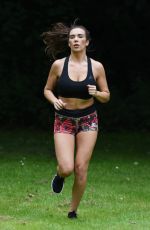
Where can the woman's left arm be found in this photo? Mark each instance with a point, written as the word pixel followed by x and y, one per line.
pixel 103 94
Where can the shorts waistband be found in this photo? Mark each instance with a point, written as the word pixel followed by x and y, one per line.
pixel 77 112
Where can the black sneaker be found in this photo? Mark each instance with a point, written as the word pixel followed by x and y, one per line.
pixel 72 215
pixel 57 183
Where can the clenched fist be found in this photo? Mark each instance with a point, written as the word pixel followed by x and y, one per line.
pixel 92 90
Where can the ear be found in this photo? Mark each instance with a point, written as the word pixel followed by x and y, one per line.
pixel 87 42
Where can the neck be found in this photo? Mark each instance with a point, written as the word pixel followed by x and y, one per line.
pixel 78 57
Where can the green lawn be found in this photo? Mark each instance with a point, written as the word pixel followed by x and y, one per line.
pixel 117 196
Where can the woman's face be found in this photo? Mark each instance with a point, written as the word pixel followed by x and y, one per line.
pixel 77 40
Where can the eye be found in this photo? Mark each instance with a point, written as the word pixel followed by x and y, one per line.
pixel 81 36
pixel 71 36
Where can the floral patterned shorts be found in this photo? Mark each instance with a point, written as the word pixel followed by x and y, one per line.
pixel 74 125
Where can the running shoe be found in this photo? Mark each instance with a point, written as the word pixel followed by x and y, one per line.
pixel 57 184
pixel 72 215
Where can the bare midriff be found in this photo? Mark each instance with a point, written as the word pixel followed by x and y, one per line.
pixel 76 103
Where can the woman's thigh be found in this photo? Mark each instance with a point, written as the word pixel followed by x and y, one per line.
pixel 85 143
pixel 64 148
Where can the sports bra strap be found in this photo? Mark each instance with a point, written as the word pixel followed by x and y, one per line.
pixel 89 67
pixel 65 67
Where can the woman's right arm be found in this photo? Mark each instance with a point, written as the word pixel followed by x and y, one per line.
pixel 50 85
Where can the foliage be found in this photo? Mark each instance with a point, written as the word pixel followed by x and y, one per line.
pixel 120 41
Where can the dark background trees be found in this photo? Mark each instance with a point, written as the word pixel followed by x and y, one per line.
pixel 120 40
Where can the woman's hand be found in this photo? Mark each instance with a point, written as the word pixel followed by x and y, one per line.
pixel 59 104
pixel 92 90
pixel 102 96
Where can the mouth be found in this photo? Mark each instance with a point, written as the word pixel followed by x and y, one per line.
pixel 76 46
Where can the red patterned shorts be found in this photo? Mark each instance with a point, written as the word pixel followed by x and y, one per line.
pixel 74 125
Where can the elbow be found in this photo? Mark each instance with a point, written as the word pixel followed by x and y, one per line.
pixel 45 91
pixel 103 97
pixel 106 99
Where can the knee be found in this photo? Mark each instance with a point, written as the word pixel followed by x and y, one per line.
pixel 81 171
pixel 65 170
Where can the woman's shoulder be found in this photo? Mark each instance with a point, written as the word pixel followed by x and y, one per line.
pixel 59 62
pixel 57 65
pixel 96 64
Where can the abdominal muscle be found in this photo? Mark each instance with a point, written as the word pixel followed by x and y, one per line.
pixel 76 103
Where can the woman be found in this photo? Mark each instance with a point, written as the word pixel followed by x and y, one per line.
pixel 78 81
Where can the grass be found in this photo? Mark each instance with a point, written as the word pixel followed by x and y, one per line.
pixel 117 196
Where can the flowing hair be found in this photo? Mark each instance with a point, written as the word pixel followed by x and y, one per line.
pixel 56 39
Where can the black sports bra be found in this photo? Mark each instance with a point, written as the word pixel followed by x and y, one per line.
pixel 74 89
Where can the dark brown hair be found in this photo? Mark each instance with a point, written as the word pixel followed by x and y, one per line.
pixel 56 39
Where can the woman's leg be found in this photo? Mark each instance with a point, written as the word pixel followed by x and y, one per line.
pixel 85 142
pixel 64 148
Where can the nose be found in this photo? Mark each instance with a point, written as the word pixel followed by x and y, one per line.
pixel 76 38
